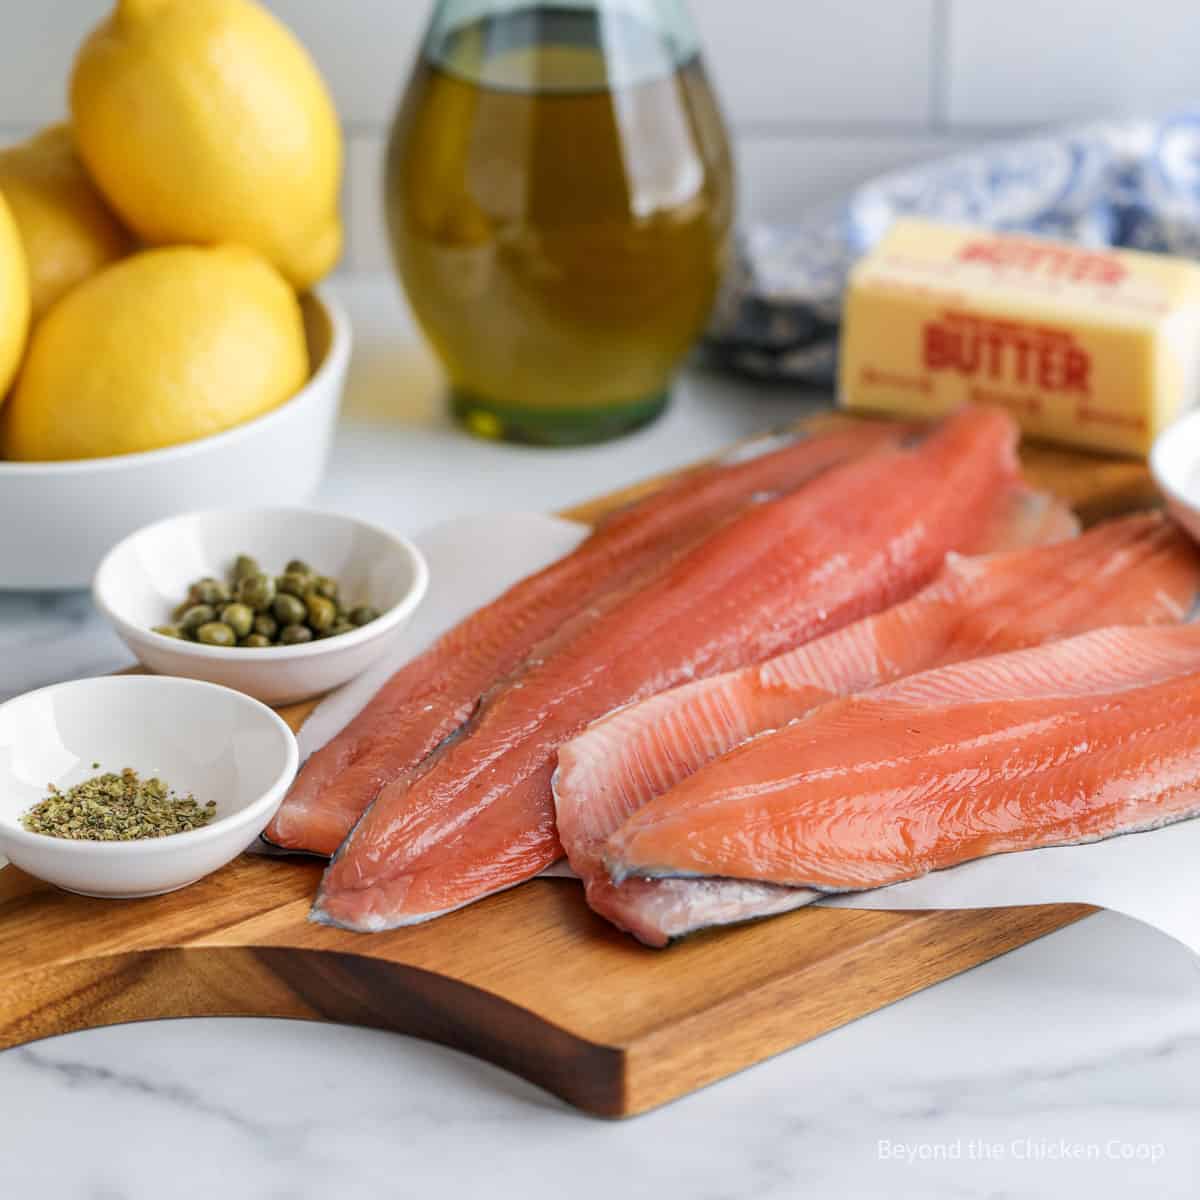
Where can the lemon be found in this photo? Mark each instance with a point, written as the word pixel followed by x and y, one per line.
pixel 206 121
pixel 162 347
pixel 66 228
pixel 14 298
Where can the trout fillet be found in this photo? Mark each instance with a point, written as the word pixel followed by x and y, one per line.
pixel 431 697
pixel 1071 742
pixel 1132 571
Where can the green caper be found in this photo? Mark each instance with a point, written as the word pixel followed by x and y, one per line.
pixel 324 585
pixel 289 609
pixel 195 616
pixel 216 633
pixel 257 591
pixel 293 583
pixel 322 613
pixel 239 618
pixel 244 566
pixel 265 625
pixel 208 591
pixel 258 610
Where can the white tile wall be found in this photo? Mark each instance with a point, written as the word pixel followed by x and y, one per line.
pixel 821 93
pixel 815 61
pixel 1031 61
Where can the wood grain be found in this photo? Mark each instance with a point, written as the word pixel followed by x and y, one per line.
pixel 530 979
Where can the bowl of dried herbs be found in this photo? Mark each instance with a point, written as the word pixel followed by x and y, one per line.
pixel 134 785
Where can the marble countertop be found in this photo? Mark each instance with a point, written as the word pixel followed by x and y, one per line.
pixel 1069 1067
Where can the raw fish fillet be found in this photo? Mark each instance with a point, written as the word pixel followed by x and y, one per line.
pixel 430 697
pixel 1070 742
pixel 1136 570
pixel 480 815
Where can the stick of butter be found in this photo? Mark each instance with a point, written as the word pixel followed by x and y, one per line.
pixel 1096 348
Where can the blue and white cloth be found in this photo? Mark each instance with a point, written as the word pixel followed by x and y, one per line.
pixel 1132 183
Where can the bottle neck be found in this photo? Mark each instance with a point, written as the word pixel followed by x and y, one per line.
pixel 497 42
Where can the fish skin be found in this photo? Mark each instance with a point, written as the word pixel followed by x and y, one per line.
pixel 1065 743
pixel 480 816
pixel 1134 570
pixel 429 698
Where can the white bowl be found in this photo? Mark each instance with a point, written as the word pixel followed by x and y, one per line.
pixel 142 579
pixel 1175 465
pixel 59 518
pixel 207 741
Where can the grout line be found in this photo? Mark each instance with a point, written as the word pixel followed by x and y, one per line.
pixel 876 130
pixel 350 233
pixel 752 128
pixel 803 128
pixel 939 65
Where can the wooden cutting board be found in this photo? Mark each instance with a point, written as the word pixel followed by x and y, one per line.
pixel 529 979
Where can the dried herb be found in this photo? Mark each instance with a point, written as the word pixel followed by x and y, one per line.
pixel 117 808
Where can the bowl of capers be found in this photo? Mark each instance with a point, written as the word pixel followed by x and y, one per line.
pixel 281 603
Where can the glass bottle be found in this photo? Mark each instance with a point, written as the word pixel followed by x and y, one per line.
pixel 559 195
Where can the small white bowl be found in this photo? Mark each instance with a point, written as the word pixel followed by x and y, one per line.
pixel 142 579
pixel 208 741
pixel 59 518
pixel 1175 465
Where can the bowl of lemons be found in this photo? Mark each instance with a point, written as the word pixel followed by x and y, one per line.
pixel 164 343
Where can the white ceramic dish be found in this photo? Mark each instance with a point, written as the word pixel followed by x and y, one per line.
pixel 145 576
pixel 1175 465
pixel 61 518
pixel 200 739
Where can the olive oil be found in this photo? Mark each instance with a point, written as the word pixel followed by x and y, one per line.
pixel 559 197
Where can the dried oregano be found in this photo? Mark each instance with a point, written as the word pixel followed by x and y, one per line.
pixel 117 808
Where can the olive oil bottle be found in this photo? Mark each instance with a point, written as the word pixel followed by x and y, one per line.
pixel 559 197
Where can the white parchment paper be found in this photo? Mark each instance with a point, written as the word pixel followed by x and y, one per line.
pixel 1154 877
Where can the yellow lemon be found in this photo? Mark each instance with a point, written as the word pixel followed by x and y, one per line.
pixel 162 347
pixel 14 299
pixel 66 228
pixel 206 121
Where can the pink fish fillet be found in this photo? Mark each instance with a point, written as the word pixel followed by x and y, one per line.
pixel 428 699
pixel 1069 742
pixel 1136 570
pixel 479 817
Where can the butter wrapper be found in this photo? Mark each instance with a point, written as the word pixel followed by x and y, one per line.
pixel 1094 348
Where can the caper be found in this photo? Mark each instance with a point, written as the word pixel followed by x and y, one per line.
pixel 197 615
pixel 265 625
pixel 239 618
pixel 258 610
pixel 293 583
pixel 208 591
pixel 257 591
pixel 289 609
pixel 325 586
pixel 244 566
pixel 322 613
pixel 216 633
